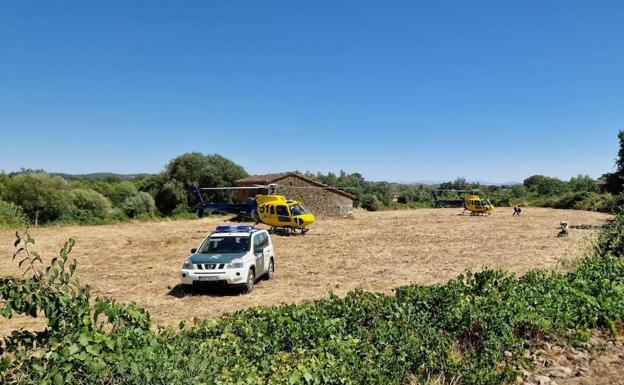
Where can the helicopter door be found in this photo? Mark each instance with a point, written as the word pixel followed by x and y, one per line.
pixel 282 213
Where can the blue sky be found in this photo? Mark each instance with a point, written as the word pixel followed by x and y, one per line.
pixel 399 91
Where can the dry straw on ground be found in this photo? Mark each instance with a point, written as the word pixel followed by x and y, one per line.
pixel 376 251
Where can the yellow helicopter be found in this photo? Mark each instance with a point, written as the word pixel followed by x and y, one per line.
pixel 471 202
pixel 281 214
pixel 476 205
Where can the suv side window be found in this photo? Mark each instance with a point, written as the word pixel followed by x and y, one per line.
pixel 257 241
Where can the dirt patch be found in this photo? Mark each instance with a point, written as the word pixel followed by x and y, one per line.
pixel 376 251
pixel 598 362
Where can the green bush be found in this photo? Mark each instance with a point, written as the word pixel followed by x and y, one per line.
pixel 121 192
pixel 43 198
pixel 370 202
pixel 92 202
pixel 583 183
pixel 460 329
pixel 139 205
pixel 545 185
pixel 611 239
pixel 11 215
pixel 170 197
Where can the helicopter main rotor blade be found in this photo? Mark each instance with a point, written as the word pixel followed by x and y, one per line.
pixel 234 188
pixel 453 190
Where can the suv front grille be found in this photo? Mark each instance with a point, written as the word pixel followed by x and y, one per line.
pixel 210 266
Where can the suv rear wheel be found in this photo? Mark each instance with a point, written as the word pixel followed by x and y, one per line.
pixel 251 279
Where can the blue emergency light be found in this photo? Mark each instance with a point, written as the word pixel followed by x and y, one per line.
pixel 231 229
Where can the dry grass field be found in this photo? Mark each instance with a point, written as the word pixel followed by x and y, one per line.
pixel 376 251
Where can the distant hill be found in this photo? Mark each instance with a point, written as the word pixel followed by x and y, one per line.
pixel 435 183
pixel 94 176
pixel 101 176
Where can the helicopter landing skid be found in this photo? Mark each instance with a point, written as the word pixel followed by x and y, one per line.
pixel 287 231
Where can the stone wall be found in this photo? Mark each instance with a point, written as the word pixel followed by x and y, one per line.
pixel 321 202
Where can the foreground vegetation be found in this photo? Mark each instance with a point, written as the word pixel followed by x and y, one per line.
pixel 465 329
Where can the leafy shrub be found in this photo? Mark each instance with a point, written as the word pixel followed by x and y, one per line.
pixel 182 212
pixel 611 239
pixel 11 215
pixel 458 330
pixel 370 202
pixel 583 183
pixel 545 185
pixel 570 200
pixel 92 202
pixel 170 197
pixel 121 192
pixel 43 198
pixel 140 204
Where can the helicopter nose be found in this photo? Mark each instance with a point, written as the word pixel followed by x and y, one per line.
pixel 307 219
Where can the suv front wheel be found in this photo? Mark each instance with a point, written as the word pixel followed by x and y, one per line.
pixel 270 270
pixel 251 279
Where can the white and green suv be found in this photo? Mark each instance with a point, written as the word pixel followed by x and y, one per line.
pixel 232 255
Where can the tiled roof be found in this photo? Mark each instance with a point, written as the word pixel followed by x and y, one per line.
pixel 264 179
pixel 273 178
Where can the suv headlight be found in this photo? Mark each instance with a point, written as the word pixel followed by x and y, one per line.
pixel 235 264
pixel 187 264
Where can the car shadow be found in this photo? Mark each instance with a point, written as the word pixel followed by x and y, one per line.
pixel 181 291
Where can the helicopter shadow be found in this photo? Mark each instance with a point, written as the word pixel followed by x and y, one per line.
pixel 181 291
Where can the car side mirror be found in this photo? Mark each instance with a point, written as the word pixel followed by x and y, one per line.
pixel 258 249
pixel 193 250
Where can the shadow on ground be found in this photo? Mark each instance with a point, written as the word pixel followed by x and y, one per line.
pixel 181 291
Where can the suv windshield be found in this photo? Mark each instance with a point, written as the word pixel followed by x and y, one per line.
pixel 231 244
pixel 297 210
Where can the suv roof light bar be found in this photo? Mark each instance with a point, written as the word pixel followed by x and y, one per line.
pixel 231 229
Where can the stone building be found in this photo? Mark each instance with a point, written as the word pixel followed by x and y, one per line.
pixel 320 199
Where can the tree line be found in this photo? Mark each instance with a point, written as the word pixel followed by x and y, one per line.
pixel 43 198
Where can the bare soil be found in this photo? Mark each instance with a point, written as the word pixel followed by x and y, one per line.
pixel 140 261
pixel 598 362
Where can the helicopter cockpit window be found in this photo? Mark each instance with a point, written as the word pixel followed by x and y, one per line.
pixel 272 210
pixel 225 245
pixel 297 210
pixel 281 210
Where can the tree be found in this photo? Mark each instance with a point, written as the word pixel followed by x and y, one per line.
pixel 458 184
pixel 614 182
pixel 545 185
pixel 90 202
pixel 582 183
pixel 4 178
pixel 44 198
pixel 169 196
pixel 196 169
pixel 370 202
pixel 122 191
pixel 140 204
